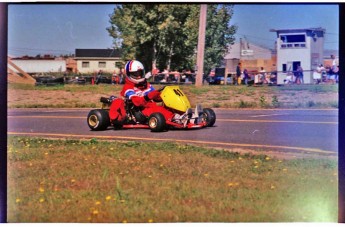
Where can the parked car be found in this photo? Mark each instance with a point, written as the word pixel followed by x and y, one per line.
pixel 219 80
pixel 49 81
pixel 103 80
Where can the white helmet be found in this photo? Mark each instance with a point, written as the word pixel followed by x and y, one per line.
pixel 135 71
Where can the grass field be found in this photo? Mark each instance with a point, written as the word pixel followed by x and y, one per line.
pixel 115 182
pixel 87 96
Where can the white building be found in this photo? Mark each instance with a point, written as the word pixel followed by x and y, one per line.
pixel 94 60
pixel 302 47
pixel 39 65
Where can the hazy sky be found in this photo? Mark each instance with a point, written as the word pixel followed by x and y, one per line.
pixel 61 28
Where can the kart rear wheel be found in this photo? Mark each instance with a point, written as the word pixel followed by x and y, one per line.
pixel 157 122
pixel 98 119
pixel 210 117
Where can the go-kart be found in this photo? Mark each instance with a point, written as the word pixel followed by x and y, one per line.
pixel 173 99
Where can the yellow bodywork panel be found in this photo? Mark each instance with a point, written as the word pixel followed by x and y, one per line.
pixel 174 98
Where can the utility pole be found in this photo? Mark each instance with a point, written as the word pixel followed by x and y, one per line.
pixel 201 45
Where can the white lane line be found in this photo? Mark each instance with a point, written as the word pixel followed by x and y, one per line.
pixel 268 115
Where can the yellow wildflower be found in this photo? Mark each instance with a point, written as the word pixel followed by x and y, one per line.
pixel 41 189
pixel 273 187
pixel 41 200
pixel 267 158
pixel 108 198
pixel 17 200
pixel 150 221
pixel 231 184
pixel 95 212
pixel 97 202
pixel 72 180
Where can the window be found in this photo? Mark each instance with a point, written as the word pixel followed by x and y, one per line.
pixel 293 41
pixel 284 68
pixel 85 64
pixel 102 64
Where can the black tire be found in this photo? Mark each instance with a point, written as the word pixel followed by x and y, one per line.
pixel 157 122
pixel 98 119
pixel 210 117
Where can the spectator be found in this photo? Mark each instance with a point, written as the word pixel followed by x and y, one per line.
pixel 299 75
pixel 263 75
pixel 258 79
pixel 238 73
pixel 289 79
pixel 335 68
pixel 317 75
pixel 246 76
pixel 166 74
pixel 155 72
pixel 114 78
pixel 99 75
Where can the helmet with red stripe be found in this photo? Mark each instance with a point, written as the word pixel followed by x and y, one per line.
pixel 135 71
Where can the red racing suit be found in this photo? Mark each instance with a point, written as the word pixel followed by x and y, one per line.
pixel 142 95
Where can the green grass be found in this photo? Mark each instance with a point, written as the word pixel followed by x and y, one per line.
pixel 100 181
pixel 207 96
pixel 308 87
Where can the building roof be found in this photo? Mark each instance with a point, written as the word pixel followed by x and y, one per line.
pixel 297 30
pixel 97 53
pixel 247 51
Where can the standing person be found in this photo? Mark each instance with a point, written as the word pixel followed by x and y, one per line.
pixel 300 74
pixel 246 76
pixel 155 72
pixel 99 75
pixel 140 92
pixel 238 73
pixel 335 68
pixel 317 75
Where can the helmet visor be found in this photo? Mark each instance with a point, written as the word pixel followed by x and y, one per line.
pixel 137 74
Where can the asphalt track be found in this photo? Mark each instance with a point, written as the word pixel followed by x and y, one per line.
pixel 284 130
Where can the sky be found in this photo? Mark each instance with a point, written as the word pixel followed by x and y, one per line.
pixel 61 28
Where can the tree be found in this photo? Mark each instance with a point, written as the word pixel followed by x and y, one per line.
pixel 165 35
pixel 219 35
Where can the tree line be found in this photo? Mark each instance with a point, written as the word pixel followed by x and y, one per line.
pixel 165 36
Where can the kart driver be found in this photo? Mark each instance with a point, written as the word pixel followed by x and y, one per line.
pixel 140 92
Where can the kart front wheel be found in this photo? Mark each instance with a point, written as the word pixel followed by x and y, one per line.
pixel 157 122
pixel 98 119
pixel 210 117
